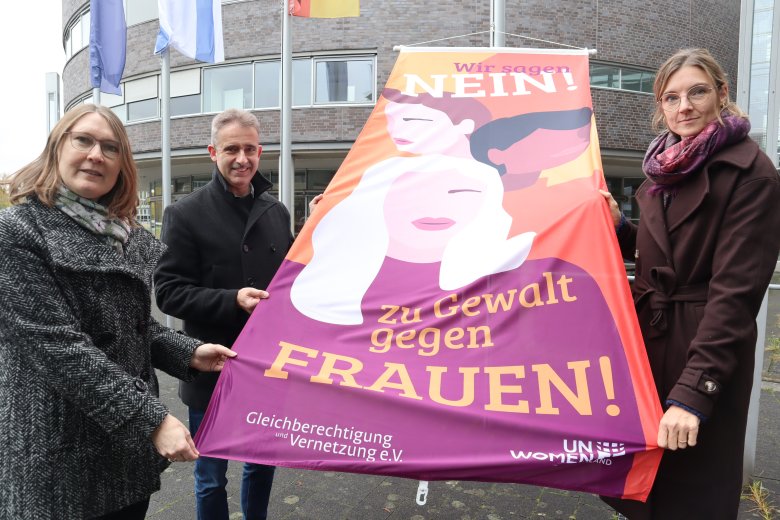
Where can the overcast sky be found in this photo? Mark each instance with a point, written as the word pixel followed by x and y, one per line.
pixel 31 43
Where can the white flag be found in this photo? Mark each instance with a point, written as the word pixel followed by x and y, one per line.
pixel 193 27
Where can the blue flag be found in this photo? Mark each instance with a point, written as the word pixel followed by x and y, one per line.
pixel 193 27
pixel 107 42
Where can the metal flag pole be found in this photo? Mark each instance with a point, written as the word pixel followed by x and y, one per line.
pixel 498 23
pixel 165 126
pixel 285 115
pixel 743 100
pixel 165 131
pixel 743 93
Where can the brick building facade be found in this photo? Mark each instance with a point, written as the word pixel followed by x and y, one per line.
pixel 631 38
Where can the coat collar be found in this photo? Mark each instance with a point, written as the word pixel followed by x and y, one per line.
pixel 75 248
pixel 654 219
pixel 660 223
pixel 262 201
pixel 259 183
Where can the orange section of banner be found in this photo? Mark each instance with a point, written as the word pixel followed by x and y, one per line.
pixel 325 8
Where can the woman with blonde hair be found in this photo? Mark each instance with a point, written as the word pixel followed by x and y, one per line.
pixel 705 249
pixel 83 432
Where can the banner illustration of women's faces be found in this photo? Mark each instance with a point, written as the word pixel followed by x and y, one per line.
pixel 456 306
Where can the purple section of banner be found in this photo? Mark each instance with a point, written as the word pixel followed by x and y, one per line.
pixel 517 377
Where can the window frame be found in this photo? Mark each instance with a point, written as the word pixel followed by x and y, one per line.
pixel 345 58
pixel 312 60
pixel 621 69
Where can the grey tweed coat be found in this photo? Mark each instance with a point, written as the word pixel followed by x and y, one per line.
pixel 78 393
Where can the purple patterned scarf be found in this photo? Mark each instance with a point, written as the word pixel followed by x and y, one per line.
pixel 670 160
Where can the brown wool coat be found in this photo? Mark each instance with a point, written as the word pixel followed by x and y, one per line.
pixel 702 267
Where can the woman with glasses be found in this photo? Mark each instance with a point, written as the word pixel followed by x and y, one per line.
pixel 83 432
pixel 705 250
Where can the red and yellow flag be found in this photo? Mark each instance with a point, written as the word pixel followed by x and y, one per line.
pixel 325 8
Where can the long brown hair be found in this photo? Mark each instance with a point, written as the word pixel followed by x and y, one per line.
pixel 41 177
pixel 702 59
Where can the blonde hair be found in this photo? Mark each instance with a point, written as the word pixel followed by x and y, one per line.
pixel 702 59
pixel 41 177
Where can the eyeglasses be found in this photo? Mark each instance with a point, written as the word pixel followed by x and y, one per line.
pixel 85 142
pixel 696 95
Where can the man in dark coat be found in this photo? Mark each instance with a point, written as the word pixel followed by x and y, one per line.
pixel 225 243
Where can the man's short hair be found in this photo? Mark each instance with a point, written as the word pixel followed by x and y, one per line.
pixel 230 116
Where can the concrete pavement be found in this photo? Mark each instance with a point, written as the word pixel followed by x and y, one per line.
pixel 314 495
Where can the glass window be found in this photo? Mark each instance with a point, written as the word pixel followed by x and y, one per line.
pixel 629 205
pixel 52 110
pixel 267 84
pixel 227 87
pixel 75 37
pixel 762 24
pixel 299 180
pixel 604 76
pixel 140 89
pixel 621 78
pixel 624 191
pixel 184 105
pixel 85 18
pixel 301 82
pixel 146 109
pixel 342 81
pixel 182 184
pixel 121 112
pixel 648 78
pixel 68 41
pixel 137 11
pixel 185 82
pixel 318 180
pixel 762 44
pixel 273 178
pixel 185 92
pixel 198 181
pixel 299 203
pixel 111 100
pixel 155 214
pixel 268 78
pixel 631 80
pixel 155 188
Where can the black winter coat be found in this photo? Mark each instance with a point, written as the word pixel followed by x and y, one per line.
pixel 212 253
pixel 78 392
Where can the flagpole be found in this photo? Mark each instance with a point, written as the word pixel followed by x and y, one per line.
pixel 165 131
pixel 96 95
pixel 498 23
pixel 165 126
pixel 285 114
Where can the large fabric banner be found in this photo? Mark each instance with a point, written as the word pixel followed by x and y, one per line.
pixel 456 306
